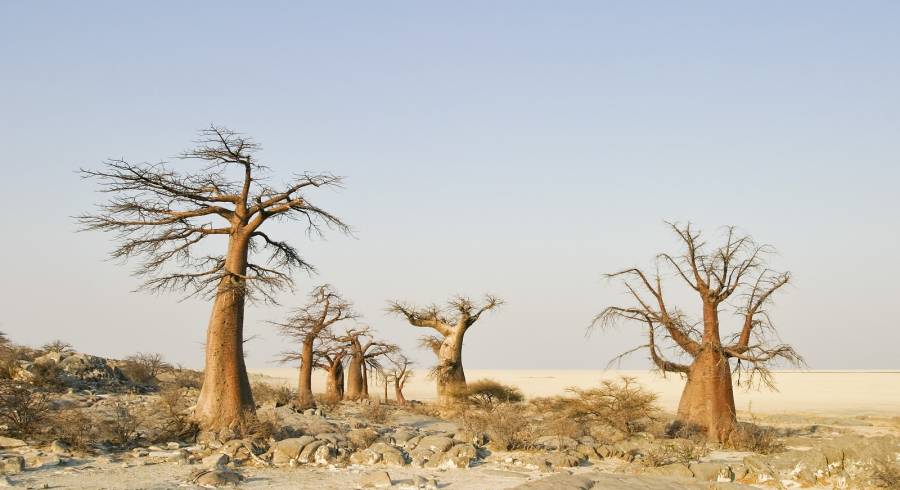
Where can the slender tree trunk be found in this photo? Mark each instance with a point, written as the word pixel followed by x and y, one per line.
pixel 385 389
pixel 451 378
pixel 225 399
pixel 305 397
pixel 355 380
pixel 398 392
pixel 707 401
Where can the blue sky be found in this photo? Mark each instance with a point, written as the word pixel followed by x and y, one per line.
pixel 519 148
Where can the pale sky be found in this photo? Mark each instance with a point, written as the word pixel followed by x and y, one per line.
pixel 517 148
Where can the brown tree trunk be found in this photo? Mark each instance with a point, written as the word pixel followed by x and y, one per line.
pixel 305 397
pixel 334 383
pixel 451 378
pixel 365 383
pixel 225 399
pixel 355 380
pixel 398 392
pixel 707 401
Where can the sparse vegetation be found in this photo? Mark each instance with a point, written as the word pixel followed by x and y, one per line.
pixel 886 473
pixel 72 426
pixel 756 438
pixel 265 393
pixel 623 405
pixel 145 368
pixel 486 393
pixel 375 412
pixel 23 409
pixel 57 347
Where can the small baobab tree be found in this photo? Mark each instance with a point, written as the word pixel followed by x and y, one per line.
pixel 164 216
pixel 362 349
pixel 309 325
pixel 399 370
pixel 451 323
pixel 331 356
pixel 733 274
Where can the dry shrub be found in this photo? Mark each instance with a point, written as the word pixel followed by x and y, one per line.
pixel 73 427
pixel 432 410
pixel 182 378
pixel 122 428
pixel 144 368
pixel 22 408
pixel 486 393
pixel 756 438
pixel 264 393
pixel 622 405
pixel 669 452
pixel 886 474
pixel 47 376
pixel 173 414
pixel 375 412
pixel 506 426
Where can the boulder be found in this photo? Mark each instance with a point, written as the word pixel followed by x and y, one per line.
pixel 286 450
pixel 707 471
pixel 365 457
pixel 9 442
pixel 400 436
pixel 362 438
pixel 563 460
pixel 42 461
pixel 389 454
pixel 216 460
pixel 678 470
pixel 59 448
pixel 12 464
pixel 309 452
pixel 378 479
pixel 556 442
pixel 216 478
pixel 438 444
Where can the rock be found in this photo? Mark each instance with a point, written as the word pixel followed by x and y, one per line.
pixel 9 442
pixel 412 443
pixel 675 469
pixel 216 460
pixel 563 460
pixel 59 448
pixel 43 461
pixel 588 452
pixel 604 451
pixel 556 442
pixel 707 471
pixel 420 455
pixel 216 478
pixel 286 450
pixel 5 482
pixel 438 444
pixel 365 456
pixel 12 464
pixel 332 438
pixel 759 467
pixel 362 438
pixel 309 452
pixel 400 436
pixel 325 455
pixel 560 482
pixel 378 479
pixel 389 454
pixel 173 445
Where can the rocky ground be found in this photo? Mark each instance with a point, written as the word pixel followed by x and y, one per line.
pixel 356 445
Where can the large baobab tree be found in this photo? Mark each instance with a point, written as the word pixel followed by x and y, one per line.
pixel 363 348
pixel 731 275
pixel 309 325
pixel 164 216
pixel 451 323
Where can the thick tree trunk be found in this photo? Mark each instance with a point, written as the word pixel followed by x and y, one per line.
pixel 707 401
pixel 355 384
pixel 305 397
pixel 398 392
pixel 225 399
pixel 334 382
pixel 451 378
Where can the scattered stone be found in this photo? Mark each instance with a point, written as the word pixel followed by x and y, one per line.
pixel 215 478
pixel 11 464
pixel 9 442
pixel 59 448
pixel 438 444
pixel 216 460
pixel 378 479
pixel 707 471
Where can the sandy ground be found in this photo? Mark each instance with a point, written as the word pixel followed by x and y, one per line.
pixel 811 392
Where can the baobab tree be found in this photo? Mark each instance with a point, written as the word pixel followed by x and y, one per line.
pixel 163 217
pixel 363 348
pixel 398 370
pixel 311 324
pixel 733 274
pixel 331 357
pixel 451 323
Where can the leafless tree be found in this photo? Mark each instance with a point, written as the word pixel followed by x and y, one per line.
pixel 732 274
pixel 451 323
pixel 399 370
pixel 310 324
pixel 363 350
pixel 160 216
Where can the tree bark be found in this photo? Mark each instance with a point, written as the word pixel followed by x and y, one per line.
pixel 305 397
pixel 334 382
pixel 707 401
pixel 451 378
pixel 225 399
pixel 355 382
pixel 398 392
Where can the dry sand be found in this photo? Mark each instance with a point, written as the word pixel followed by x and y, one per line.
pixel 809 392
